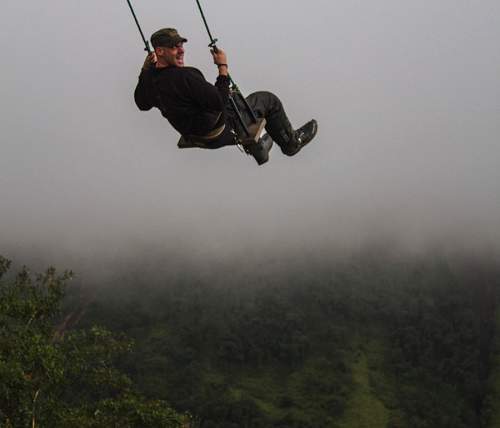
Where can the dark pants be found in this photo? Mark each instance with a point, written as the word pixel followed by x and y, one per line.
pixel 264 105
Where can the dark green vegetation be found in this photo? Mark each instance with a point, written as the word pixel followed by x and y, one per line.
pixel 372 341
pixel 58 379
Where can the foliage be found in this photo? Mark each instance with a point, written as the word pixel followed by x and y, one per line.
pixel 289 353
pixel 491 410
pixel 54 378
pixel 373 341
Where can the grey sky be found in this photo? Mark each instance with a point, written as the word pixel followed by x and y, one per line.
pixel 407 95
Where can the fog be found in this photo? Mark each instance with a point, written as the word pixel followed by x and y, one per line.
pixel 407 96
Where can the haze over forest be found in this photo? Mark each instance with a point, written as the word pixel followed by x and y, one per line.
pixel 406 95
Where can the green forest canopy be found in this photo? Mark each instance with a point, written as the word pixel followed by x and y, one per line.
pixel 389 342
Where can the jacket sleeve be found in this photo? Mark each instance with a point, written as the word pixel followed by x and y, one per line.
pixel 142 95
pixel 208 96
pixel 222 85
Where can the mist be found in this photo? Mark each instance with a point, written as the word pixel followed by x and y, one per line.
pixel 406 95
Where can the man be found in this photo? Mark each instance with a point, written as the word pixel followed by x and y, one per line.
pixel 201 112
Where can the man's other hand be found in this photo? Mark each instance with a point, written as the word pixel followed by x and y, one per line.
pixel 219 57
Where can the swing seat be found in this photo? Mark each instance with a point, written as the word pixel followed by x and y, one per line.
pixel 189 143
pixel 254 130
pixel 202 142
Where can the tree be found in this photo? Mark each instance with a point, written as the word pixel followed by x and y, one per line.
pixel 54 378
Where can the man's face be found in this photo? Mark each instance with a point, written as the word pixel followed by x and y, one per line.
pixel 171 56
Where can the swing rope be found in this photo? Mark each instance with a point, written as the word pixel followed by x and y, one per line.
pixel 146 43
pixel 213 45
pixel 212 40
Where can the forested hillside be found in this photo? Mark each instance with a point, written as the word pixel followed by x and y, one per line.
pixel 363 341
pixel 371 340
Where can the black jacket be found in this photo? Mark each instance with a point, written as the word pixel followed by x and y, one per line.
pixel 191 104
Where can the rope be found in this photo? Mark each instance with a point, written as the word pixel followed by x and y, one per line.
pixel 212 40
pixel 146 43
pixel 234 86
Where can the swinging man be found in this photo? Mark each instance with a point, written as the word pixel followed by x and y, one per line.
pixel 201 112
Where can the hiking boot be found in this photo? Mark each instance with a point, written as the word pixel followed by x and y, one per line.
pixel 291 141
pixel 304 135
pixel 260 150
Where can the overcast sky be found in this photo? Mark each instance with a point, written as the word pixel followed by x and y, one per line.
pixel 406 93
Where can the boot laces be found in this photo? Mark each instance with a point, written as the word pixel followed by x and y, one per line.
pixel 299 136
pixel 304 134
